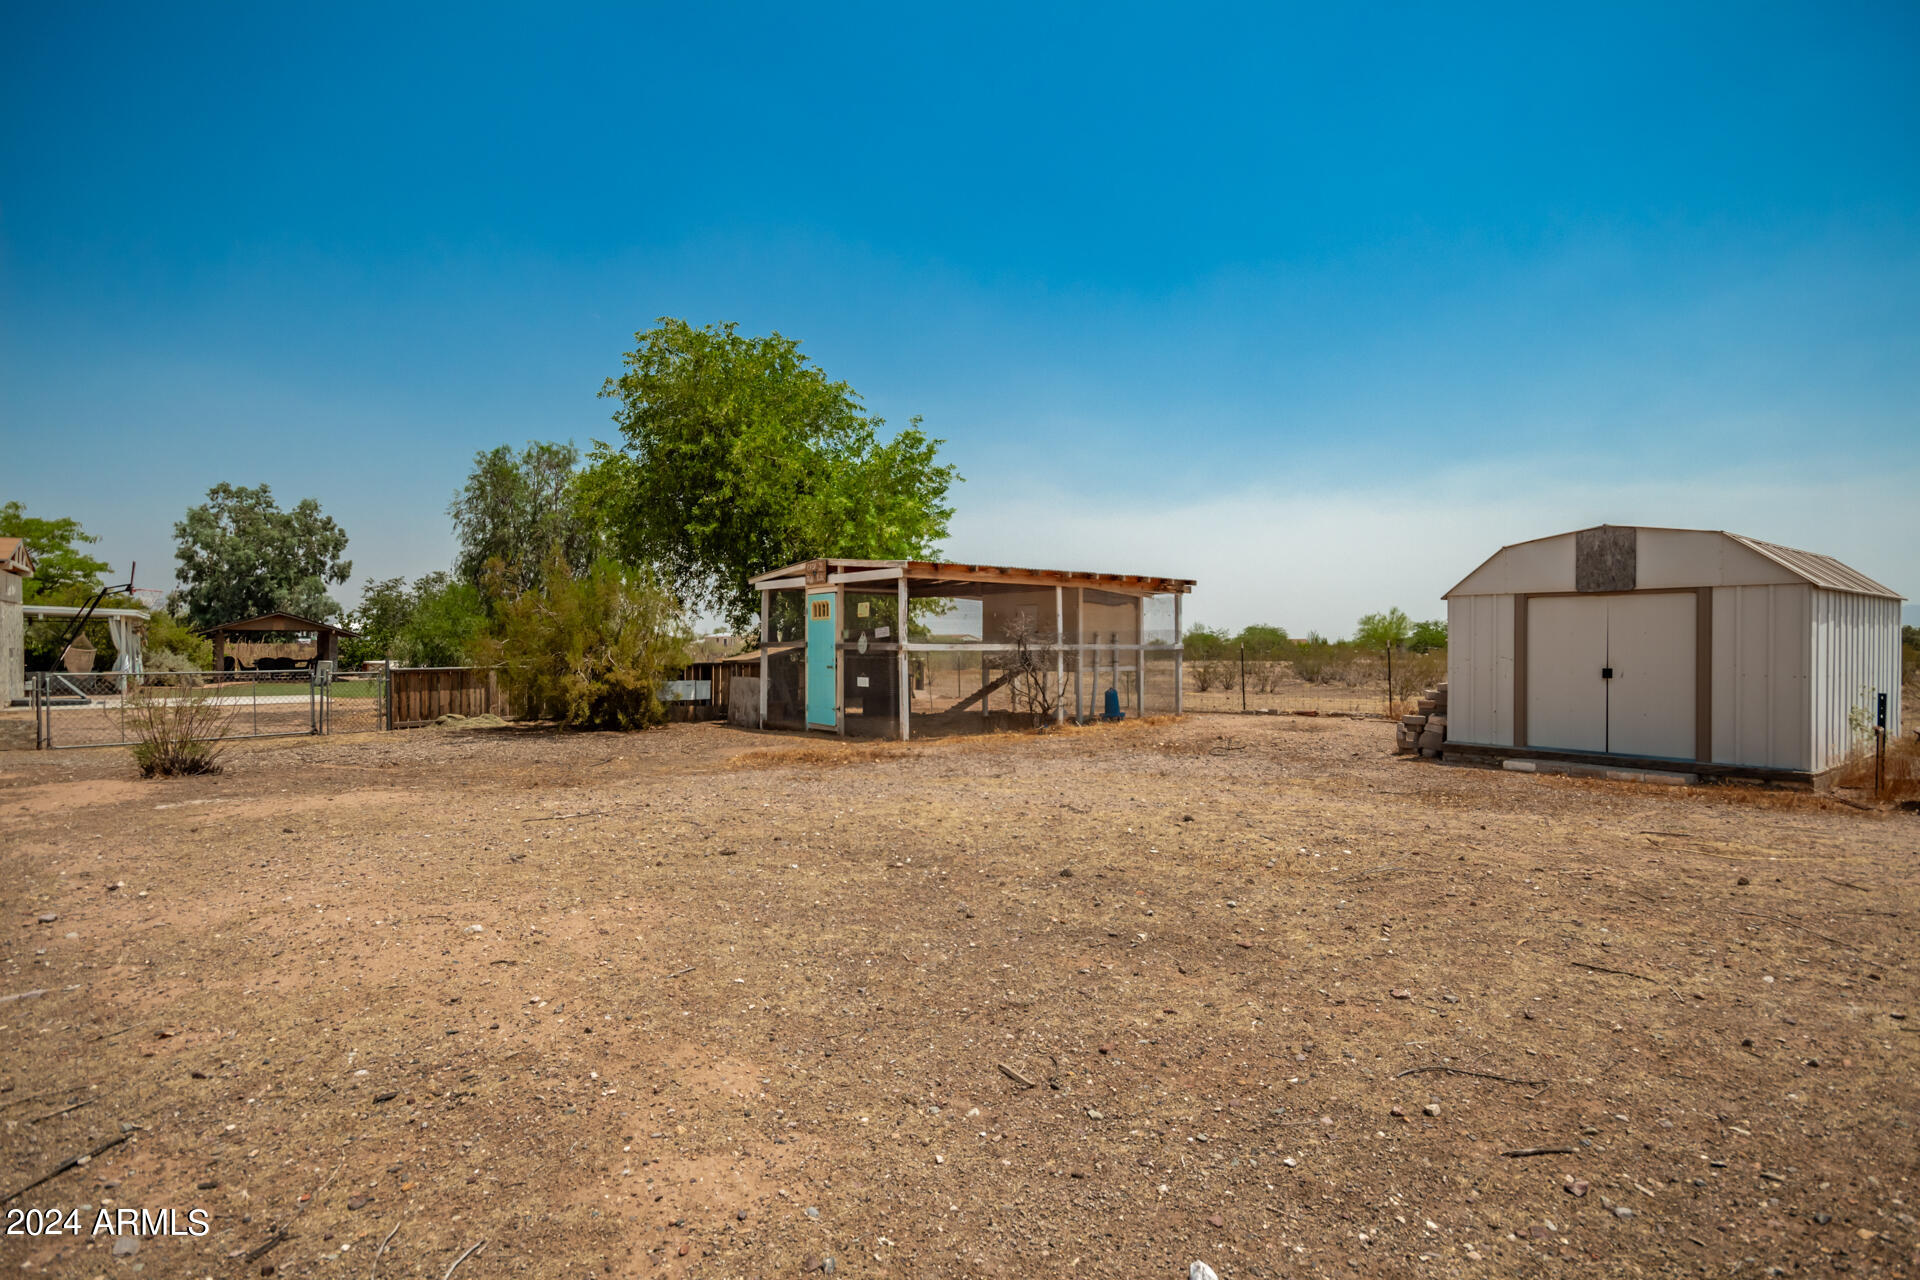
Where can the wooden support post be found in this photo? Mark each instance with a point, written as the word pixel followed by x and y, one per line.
pixel 906 682
pixel 1059 655
pixel 985 695
pixel 839 661
pixel 766 638
pixel 1179 659
pixel 1140 657
pixel 1079 650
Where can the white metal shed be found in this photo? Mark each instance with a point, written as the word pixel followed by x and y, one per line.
pixel 1686 645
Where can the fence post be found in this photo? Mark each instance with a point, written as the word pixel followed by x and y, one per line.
pixel 1243 679
pixel 389 698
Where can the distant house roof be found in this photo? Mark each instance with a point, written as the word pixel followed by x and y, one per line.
pixel 15 558
pixel 281 622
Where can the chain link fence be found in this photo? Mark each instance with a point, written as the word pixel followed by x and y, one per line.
pixel 104 708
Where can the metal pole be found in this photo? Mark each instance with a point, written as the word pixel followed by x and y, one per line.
pixel 1880 747
pixel 1243 679
pixel 766 638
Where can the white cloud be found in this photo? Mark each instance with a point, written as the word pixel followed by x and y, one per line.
pixel 1319 557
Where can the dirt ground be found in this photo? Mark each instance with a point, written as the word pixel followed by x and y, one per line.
pixel 705 1002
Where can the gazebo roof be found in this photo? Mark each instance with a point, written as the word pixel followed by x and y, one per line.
pixel 281 622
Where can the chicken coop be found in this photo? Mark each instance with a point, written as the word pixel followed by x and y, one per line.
pixel 894 648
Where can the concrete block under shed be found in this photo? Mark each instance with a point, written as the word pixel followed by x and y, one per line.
pixel 1612 774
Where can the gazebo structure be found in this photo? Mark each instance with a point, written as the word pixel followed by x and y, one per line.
pixel 869 648
pixel 314 642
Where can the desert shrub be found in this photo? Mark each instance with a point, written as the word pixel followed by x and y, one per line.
pixel 1414 673
pixel 592 651
pixel 1428 636
pixel 1205 644
pixel 1318 662
pixel 167 634
pixel 1213 673
pixel 1902 768
pixel 1262 641
pixel 176 730
pixel 1032 686
pixel 166 669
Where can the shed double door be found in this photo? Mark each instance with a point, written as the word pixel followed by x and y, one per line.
pixel 1612 674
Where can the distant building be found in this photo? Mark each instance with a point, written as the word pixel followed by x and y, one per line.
pixel 16 566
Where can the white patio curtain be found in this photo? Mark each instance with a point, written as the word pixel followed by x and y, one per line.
pixel 127 638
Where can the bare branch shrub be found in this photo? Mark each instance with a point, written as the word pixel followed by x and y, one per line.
pixel 1034 662
pixel 177 730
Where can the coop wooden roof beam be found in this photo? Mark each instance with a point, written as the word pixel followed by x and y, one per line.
pixel 922 576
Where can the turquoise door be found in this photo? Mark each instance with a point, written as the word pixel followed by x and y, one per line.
pixel 823 681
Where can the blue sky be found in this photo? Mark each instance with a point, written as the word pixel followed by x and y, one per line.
pixel 1318 308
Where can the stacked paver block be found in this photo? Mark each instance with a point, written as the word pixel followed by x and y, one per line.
pixel 1425 729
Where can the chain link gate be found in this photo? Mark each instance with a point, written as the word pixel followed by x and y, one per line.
pixel 108 708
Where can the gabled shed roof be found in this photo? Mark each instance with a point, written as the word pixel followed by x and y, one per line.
pixel 1822 571
pixel 1667 558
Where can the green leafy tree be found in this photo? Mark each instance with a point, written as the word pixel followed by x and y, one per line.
pixel 1386 632
pixel 240 556
pixel 1427 636
pixel 590 651
pixel 1204 644
pixel 1262 641
pixel 516 508
pixel 385 605
pixel 445 624
pixel 59 559
pixel 1383 631
pixel 739 455
pixel 435 622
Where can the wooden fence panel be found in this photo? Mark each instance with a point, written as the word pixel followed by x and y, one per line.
pixel 422 695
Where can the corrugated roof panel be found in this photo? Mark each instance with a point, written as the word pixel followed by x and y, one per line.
pixel 1822 571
